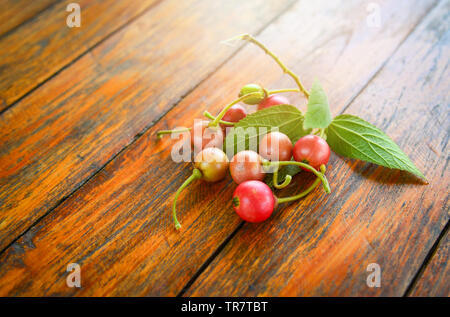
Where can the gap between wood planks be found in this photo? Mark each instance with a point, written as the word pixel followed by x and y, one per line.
pixel 436 243
pixel 138 135
pixel 209 260
pixel 51 76
pixel 427 260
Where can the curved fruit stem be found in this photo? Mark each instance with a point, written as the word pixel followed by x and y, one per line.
pixel 210 116
pixel 321 176
pixel 287 181
pixel 304 193
pixel 196 174
pixel 160 133
pixel 251 39
pixel 219 117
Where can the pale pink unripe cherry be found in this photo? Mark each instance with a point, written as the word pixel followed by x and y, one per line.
pixel 276 146
pixel 246 165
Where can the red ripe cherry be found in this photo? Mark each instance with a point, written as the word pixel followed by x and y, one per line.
pixel 246 165
pixel 253 201
pixel 313 150
pixel 204 137
pixel 235 114
pixel 276 146
pixel 273 100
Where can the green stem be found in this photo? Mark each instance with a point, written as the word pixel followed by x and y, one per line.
pixel 279 91
pixel 196 174
pixel 163 132
pixel 219 117
pixel 251 39
pixel 322 177
pixel 210 116
pixel 287 181
pixel 304 193
pixel 322 134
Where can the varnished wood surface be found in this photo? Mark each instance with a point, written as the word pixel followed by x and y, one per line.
pixel 116 223
pixel 434 281
pixel 40 48
pixel 16 12
pixel 59 136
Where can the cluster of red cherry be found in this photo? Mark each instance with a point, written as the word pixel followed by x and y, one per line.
pixel 253 200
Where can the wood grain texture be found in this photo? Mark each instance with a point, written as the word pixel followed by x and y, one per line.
pixel 323 245
pixel 15 12
pixel 435 280
pixel 118 227
pixel 61 134
pixel 34 52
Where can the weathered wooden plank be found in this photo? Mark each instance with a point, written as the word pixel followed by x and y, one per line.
pixel 35 51
pixel 15 12
pixel 61 134
pixel 324 245
pixel 118 227
pixel 435 280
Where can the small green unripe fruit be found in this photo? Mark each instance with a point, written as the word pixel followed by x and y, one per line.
pixel 252 88
pixel 213 163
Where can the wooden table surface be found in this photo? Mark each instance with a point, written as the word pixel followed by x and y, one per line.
pixel 83 178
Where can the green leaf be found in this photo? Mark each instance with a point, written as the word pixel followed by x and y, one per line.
pixel 284 171
pixel 247 132
pixel 353 137
pixel 318 114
